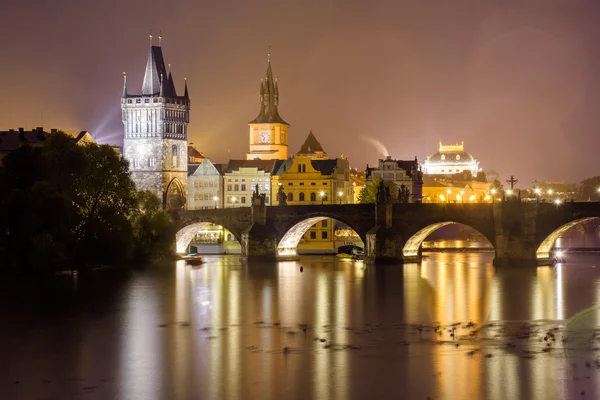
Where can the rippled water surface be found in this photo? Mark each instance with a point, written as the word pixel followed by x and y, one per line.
pixel 453 327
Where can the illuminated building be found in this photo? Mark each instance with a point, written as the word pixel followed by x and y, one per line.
pixel 401 173
pixel 194 156
pixel 452 175
pixel 449 160
pixel 312 178
pixel 268 131
pixel 241 178
pixel 205 185
pixel 155 133
pixel 359 182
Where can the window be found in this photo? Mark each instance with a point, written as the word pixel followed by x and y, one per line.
pixel 299 168
pixel 324 183
pixel 174 161
pixel 147 101
pixel 229 199
pixel 301 183
pixel 301 197
pixel 313 235
pixel 312 184
pixel 244 187
pixel 195 196
pixel 196 184
pixel 237 187
pixel 267 200
pixel 266 186
pixel 243 200
pixel 129 101
pixel 303 167
pixel 324 235
pixel 290 184
pixel 229 188
pixel 243 180
pixel 313 196
pixel 290 197
pixel 324 223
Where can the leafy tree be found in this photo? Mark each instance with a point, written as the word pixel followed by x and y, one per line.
pixel 588 189
pixel 368 194
pixel 498 187
pixel 70 206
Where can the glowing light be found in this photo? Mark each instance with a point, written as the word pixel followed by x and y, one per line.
pixel 340 193
pixel 215 198
pixel 560 253
pixel 287 252
pixel 537 191
pixel 322 194
pixel 448 191
pixel 233 199
pixel 557 201
pixel 462 192
pixel 458 197
pixel 472 198
pixel 442 197
pixel 486 198
pixel 493 191
pixel 550 191
pixel 509 192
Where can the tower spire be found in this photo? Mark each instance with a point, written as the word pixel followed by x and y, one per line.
pixel 124 85
pixel 186 94
pixel 162 86
pixel 150 38
pixel 160 39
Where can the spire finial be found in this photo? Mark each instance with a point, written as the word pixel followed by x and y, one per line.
pixel 169 67
pixel 124 84
pixel 159 38
pixel 269 54
pixel 150 37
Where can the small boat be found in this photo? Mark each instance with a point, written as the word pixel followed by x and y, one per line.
pixel 193 259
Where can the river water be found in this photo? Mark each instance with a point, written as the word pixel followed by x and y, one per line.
pixel 336 330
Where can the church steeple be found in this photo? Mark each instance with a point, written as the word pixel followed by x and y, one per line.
pixel 269 99
pixel 124 95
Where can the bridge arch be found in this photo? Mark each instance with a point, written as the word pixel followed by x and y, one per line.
pixel 544 249
pixel 287 245
pixel 184 236
pixel 412 247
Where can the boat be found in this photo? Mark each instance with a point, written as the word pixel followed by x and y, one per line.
pixel 193 259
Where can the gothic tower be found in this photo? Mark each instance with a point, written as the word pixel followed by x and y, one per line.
pixel 268 131
pixel 155 133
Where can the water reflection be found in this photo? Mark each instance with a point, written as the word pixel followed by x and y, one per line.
pixel 337 330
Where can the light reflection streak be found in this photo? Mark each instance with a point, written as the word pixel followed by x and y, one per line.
pixel 321 367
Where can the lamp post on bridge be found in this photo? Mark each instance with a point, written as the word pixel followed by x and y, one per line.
pixel 322 194
pixel 340 194
pixel 215 198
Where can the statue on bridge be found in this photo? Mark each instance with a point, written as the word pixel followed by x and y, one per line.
pixel 281 196
pixel 258 199
pixel 403 194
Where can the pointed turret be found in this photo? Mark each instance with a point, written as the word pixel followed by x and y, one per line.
pixel 171 92
pixel 155 67
pixel 162 86
pixel 269 99
pixel 312 148
pixel 124 95
pixel 186 94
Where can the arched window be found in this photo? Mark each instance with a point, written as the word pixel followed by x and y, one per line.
pixel 313 196
pixel 290 197
pixel 301 197
pixel 174 160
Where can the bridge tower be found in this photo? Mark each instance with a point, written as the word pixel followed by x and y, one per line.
pixel 155 132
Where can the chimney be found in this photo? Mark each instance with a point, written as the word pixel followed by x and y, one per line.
pixel 22 135
pixel 40 134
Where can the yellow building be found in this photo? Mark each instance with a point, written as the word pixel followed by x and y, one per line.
pixel 448 190
pixel 312 178
pixel 268 131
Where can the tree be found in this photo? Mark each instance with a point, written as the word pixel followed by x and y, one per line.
pixel 71 206
pixel 498 187
pixel 368 194
pixel 588 189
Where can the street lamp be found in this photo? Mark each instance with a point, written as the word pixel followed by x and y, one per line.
pixel 448 193
pixel 340 194
pixel 462 196
pixel 550 192
pixel 509 192
pixel 215 198
pixel 233 199
pixel 557 202
pixel 322 194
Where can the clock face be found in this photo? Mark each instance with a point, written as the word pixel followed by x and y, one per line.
pixel 265 137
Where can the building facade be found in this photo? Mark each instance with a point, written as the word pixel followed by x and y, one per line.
pixel 155 133
pixel 403 174
pixel 241 178
pixel 205 186
pixel 449 160
pixel 268 131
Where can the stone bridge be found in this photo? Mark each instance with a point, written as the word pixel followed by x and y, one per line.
pixel 521 233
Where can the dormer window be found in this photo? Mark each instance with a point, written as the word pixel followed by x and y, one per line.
pixel 457 157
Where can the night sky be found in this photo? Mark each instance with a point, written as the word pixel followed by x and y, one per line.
pixel 516 80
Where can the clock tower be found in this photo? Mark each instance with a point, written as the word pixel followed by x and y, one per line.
pixel 268 131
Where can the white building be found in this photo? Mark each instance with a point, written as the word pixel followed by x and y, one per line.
pixel 240 180
pixel 205 185
pixel 450 160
